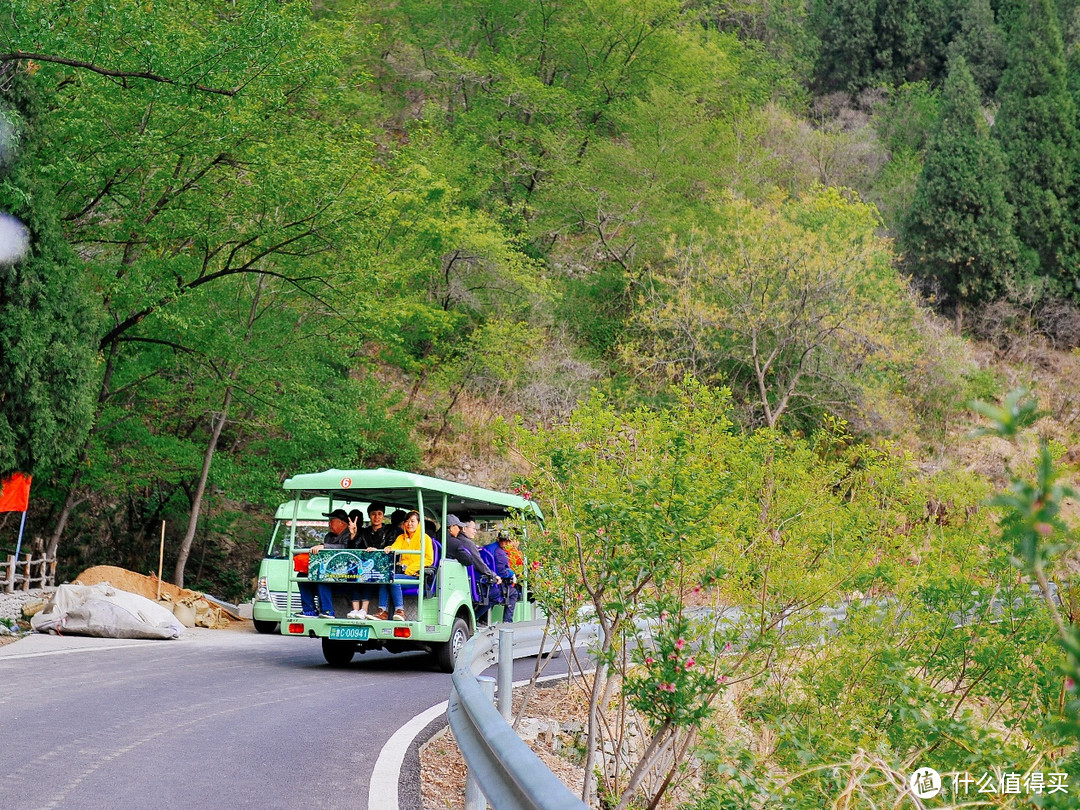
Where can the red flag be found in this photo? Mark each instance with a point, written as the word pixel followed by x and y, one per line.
pixel 15 493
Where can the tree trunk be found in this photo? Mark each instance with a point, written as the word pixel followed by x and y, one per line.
pixel 588 788
pixel 200 488
pixel 204 474
pixel 71 501
pixel 61 523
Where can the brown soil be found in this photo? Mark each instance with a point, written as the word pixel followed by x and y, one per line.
pixel 131 582
pixel 443 768
pixel 207 615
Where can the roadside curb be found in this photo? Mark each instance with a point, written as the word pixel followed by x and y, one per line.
pixel 410 789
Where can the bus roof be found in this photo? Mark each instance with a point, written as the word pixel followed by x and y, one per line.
pixel 390 485
pixel 316 508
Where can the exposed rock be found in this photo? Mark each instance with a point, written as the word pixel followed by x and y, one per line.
pixel 33 608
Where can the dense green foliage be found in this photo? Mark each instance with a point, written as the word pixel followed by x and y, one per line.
pixel 959 229
pixel 1036 126
pixel 277 237
pixel 271 263
pixel 649 510
pixel 47 363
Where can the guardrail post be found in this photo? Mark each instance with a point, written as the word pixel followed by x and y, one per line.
pixel 474 797
pixel 506 672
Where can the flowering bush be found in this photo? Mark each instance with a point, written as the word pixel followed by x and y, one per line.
pixel 675 680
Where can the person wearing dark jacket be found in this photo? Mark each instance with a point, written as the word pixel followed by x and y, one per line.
pixel 378 534
pixel 509 590
pixel 461 547
pixel 374 537
pixel 337 537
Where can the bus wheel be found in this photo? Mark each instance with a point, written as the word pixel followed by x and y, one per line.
pixel 446 653
pixel 265 627
pixel 338 653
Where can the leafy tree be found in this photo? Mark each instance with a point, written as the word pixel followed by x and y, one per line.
pixel 1036 127
pixel 1038 535
pixel 181 163
pixel 906 118
pixel 846 29
pixel 649 509
pixel 48 362
pixel 783 301
pixel 958 232
pixel 782 25
pixel 631 502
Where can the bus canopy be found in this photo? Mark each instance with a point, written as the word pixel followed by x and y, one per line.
pixel 389 485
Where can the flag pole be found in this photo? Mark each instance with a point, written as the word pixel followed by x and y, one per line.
pixel 161 560
pixel 18 546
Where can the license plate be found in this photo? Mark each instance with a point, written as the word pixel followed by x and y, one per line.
pixel 349 633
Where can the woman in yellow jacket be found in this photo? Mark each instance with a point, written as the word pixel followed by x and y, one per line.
pixel 412 539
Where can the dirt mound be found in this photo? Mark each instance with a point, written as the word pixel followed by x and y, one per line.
pixel 189 606
pixel 133 583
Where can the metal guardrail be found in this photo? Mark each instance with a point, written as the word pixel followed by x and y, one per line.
pixel 510 775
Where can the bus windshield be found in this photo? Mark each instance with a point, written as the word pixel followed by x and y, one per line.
pixel 308 533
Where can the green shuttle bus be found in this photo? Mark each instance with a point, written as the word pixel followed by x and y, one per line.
pixel 441 603
pixel 272 590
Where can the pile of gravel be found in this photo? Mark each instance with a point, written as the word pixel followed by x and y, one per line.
pixel 11 604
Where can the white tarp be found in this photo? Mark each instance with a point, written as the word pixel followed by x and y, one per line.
pixel 102 610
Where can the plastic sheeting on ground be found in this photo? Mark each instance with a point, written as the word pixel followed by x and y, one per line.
pixel 103 611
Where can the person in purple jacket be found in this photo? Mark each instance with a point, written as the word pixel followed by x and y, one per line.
pixel 509 588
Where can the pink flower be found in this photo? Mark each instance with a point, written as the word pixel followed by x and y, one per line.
pixel 727 647
pixel 650 660
pixel 673 656
pixel 666 687
pixel 690 662
pixel 600 532
pixel 697 589
pixel 680 644
pixel 1070 684
pixel 722 679
pixel 535 565
pixel 663 615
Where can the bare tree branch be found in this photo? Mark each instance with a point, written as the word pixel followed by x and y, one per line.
pixel 17 56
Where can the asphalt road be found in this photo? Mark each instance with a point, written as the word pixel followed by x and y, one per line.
pixel 217 719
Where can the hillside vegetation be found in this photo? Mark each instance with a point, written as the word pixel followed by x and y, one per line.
pixel 781 244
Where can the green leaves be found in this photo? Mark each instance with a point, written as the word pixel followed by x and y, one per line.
pixel 782 300
pixel 958 233
pixel 1033 525
pixel 1018 411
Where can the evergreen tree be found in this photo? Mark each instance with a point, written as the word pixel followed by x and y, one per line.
pixel 872 42
pixel 1037 129
pixel 958 232
pixel 47 354
pixel 848 43
pixel 981 43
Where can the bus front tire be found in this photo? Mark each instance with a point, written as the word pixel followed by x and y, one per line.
pixel 265 626
pixel 446 653
pixel 338 653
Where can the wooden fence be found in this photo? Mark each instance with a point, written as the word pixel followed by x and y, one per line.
pixel 29 572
